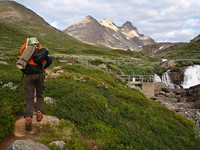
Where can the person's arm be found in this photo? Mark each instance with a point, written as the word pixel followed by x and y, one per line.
pixel 48 62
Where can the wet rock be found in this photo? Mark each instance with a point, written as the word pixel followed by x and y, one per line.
pixel 193 94
pixel 27 145
pixel 158 87
pixel 184 102
pixel 177 76
pixel 171 94
pixel 166 90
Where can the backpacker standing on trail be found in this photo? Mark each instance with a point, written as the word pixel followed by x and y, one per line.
pixel 34 78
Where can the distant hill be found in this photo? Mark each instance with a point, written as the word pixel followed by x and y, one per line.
pixel 162 47
pixel 16 14
pixel 107 33
pixel 165 47
pixel 17 22
pixel 196 39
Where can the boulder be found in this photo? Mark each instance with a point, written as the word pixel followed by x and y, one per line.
pixel 133 86
pixel 158 87
pixel 27 145
pixel 19 129
pixel 169 64
pixel 49 100
pixel 177 76
pixel 193 94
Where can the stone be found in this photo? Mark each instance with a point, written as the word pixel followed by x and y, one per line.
pixel 27 145
pixel 133 86
pixel 57 68
pixel 51 74
pixel 58 143
pixel 55 72
pixel 171 94
pixel 103 67
pixel 19 128
pixel 49 100
pixel 166 90
pixel 158 87
pixel 186 102
pixel 169 64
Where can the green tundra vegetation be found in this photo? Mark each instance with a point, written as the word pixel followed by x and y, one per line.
pixel 96 109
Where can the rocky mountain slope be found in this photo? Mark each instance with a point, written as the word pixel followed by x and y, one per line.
pixel 107 33
pixel 196 39
pixel 162 47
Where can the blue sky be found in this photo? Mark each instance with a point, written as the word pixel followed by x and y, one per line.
pixel 163 20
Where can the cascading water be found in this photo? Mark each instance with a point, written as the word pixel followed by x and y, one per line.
pixel 157 78
pixel 191 76
pixel 166 79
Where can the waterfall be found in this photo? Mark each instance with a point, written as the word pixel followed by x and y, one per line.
pixel 166 79
pixel 157 78
pixel 191 76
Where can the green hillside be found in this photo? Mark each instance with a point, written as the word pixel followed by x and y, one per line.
pixel 95 106
pixel 184 56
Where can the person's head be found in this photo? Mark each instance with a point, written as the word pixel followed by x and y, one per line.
pixel 33 41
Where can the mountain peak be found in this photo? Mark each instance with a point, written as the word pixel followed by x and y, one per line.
pixel 90 17
pixel 107 23
pixel 105 32
pixel 128 25
pixel 86 20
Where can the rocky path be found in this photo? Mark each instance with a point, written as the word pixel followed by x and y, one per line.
pixel 21 134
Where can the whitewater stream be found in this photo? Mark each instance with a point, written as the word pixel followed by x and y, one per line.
pixel 191 78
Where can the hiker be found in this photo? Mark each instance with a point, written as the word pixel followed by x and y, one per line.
pixel 34 81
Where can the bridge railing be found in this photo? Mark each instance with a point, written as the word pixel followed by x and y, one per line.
pixel 138 78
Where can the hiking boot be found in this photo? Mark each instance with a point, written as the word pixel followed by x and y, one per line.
pixel 39 116
pixel 28 123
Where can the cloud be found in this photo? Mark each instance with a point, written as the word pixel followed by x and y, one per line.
pixel 162 20
pixel 54 24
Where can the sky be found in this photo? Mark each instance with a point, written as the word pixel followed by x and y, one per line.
pixel 163 20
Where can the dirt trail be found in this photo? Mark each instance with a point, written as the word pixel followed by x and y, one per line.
pixel 20 133
pixel 11 138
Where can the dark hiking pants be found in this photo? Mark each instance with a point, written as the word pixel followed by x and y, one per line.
pixel 32 83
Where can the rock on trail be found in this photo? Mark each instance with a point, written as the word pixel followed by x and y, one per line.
pixel 19 130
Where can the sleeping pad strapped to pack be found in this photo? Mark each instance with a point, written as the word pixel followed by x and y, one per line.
pixel 25 57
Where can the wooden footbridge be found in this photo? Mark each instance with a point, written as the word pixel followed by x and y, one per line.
pixel 145 82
